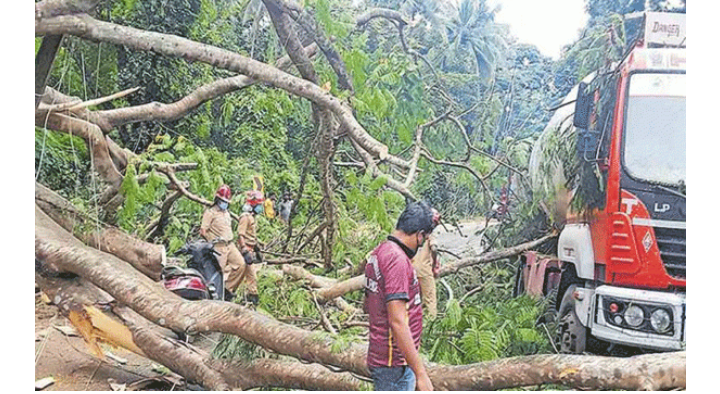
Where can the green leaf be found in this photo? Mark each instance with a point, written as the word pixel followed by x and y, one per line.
pixel 378 182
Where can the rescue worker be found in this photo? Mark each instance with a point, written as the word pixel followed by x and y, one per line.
pixel 427 267
pixel 216 226
pixel 247 243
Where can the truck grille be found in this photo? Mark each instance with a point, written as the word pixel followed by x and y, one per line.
pixel 671 243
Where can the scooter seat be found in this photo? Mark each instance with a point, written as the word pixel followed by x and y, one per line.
pixel 173 271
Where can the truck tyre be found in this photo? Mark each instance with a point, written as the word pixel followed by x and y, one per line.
pixel 571 334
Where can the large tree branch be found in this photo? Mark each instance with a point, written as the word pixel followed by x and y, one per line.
pixel 163 112
pixel 338 289
pixel 100 320
pixel 306 20
pixel 56 247
pixel 375 171
pixel 493 256
pixel 88 28
pixel 95 139
pixel 646 372
pixel 146 257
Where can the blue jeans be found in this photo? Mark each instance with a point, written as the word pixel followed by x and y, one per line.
pixel 393 378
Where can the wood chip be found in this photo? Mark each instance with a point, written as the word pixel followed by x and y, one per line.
pixel 44 383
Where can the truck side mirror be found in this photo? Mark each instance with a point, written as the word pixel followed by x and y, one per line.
pixel 587 140
pixel 583 106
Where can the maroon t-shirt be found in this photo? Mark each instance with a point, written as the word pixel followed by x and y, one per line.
pixel 389 275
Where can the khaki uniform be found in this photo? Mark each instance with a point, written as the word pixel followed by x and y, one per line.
pixel 423 263
pixel 217 224
pixel 244 272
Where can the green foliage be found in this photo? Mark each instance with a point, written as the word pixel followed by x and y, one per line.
pixel 62 163
pixel 485 331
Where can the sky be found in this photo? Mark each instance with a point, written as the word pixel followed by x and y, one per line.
pixel 547 24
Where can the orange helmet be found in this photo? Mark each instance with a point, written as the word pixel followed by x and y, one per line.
pixel 224 193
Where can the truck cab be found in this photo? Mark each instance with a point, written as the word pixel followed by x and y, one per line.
pixel 620 271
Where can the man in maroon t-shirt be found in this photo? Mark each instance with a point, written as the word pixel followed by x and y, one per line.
pixel 392 300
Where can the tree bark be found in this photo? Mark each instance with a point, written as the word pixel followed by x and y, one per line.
pixel 43 64
pixel 134 333
pixel 665 371
pixel 93 136
pixel 146 257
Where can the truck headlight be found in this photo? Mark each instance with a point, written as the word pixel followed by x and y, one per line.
pixel 634 316
pixel 660 320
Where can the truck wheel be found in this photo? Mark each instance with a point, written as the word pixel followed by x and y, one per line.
pixel 571 334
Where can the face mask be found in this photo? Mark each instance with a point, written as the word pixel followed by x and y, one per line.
pixel 223 205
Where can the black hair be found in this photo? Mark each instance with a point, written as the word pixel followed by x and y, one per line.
pixel 416 217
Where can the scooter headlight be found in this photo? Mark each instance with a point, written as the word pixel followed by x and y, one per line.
pixel 634 316
pixel 660 320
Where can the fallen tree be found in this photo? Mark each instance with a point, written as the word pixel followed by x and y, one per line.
pixel 102 279
pixel 59 250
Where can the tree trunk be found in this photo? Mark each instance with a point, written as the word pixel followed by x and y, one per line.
pixel 664 371
pixel 323 119
pixel 58 248
pixel 130 331
pixel 146 257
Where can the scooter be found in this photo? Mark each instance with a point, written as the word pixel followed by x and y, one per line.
pixel 203 277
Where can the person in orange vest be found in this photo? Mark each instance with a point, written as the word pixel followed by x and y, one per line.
pixel 216 226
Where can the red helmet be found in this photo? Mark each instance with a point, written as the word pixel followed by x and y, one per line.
pixel 224 193
pixel 254 197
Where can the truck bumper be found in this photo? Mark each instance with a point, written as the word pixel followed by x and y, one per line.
pixel 609 327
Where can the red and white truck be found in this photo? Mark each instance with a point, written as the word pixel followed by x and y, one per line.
pixel 619 276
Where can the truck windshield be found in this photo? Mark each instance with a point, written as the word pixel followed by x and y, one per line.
pixel 655 128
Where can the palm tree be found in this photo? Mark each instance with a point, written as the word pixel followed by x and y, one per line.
pixel 475 42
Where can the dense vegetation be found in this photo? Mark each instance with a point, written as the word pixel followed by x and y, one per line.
pixel 449 58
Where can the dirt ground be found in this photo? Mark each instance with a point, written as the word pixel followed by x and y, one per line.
pixel 68 360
